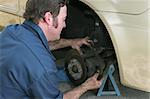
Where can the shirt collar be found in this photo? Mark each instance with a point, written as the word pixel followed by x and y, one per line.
pixel 39 32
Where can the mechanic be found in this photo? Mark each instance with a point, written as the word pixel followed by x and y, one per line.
pixel 27 66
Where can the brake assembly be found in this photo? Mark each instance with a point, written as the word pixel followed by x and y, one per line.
pixel 80 67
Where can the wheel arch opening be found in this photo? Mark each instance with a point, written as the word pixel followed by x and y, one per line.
pixel 83 21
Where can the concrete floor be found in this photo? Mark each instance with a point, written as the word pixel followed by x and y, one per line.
pixel 126 93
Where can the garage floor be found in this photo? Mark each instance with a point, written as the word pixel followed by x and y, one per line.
pixel 127 93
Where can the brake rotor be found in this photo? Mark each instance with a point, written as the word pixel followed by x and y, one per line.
pixel 75 67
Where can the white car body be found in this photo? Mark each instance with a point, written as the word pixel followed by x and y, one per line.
pixel 128 24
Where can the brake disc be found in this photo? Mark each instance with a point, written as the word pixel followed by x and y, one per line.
pixel 75 67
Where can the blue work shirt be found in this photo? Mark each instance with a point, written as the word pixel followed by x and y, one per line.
pixel 27 66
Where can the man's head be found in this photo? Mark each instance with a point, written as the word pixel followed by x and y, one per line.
pixel 50 15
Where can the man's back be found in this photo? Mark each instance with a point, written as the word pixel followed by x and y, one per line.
pixel 27 67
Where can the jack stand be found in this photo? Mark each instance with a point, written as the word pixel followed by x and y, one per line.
pixel 108 74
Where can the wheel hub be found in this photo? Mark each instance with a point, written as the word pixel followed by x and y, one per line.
pixel 74 68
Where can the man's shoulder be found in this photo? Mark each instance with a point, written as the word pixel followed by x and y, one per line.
pixel 22 47
pixel 13 32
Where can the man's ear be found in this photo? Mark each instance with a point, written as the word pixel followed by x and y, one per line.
pixel 48 18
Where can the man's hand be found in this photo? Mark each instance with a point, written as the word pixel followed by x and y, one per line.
pixel 92 82
pixel 77 43
pixel 89 84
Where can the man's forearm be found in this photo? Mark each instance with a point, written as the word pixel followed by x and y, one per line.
pixel 62 43
pixel 75 93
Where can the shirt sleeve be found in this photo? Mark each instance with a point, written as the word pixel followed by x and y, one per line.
pixel 46 87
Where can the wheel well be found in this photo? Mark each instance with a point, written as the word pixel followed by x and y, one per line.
pixel 83 21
